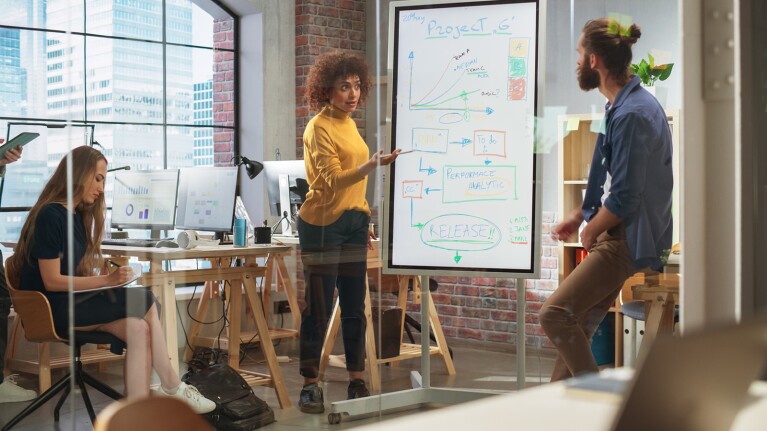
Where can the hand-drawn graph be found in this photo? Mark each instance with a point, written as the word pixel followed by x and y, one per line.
pixel 463 101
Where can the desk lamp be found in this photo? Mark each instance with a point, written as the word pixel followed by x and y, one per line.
pixel 252 167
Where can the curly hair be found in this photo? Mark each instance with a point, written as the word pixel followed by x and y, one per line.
pixel 612 41
pixel 328 68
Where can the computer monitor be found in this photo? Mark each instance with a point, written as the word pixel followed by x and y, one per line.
pixel 295 173
pixel 206 198
pixel 144 199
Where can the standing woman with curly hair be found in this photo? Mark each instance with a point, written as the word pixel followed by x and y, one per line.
pixel 333 223
pixel 42 259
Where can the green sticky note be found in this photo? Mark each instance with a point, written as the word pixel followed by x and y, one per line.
pixel 597 126
pixel 572 124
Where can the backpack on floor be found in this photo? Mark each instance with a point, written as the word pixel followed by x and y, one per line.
pixel 237 407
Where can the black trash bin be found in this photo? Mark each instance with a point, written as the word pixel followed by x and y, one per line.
pixel 390 322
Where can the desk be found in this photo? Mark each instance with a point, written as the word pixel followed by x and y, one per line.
pixel 163 284
pixel 546 408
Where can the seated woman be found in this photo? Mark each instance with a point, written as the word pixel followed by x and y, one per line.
pixel 43 255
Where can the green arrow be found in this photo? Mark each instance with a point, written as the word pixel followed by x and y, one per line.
pixel 457 257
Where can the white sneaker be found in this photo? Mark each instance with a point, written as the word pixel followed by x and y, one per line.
pixel 10 392
pixel 190 395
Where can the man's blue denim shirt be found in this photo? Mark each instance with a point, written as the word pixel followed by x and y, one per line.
pixel 636 150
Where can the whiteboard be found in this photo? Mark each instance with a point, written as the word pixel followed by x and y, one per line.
pixel 462 99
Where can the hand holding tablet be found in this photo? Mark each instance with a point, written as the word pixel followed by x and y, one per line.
pixel 19 140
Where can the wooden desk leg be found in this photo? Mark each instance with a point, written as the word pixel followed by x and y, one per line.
pixel 249 284
pixel 166 294
pixel 234 315
pixel 655 320
pixel 370 344
pixel 286 283
pixel 402 284
pixel 436 326
pixel 618 339
pixel 667 320
pixel 266 287
pixel 330 339
pixel 196 327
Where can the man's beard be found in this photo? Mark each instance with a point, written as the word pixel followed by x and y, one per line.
pixel 588 78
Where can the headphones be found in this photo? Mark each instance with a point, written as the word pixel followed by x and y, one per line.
pixel 190 239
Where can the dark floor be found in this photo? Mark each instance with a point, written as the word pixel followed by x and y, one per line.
pixel 475 368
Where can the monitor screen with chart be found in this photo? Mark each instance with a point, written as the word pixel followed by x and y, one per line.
pixel 206 197
pixel 144 199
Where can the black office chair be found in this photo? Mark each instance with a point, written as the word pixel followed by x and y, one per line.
pixel 33 309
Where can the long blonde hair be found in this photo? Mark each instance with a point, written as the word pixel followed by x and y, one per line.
pixel 84 160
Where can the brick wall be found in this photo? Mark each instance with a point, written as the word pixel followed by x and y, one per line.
pixel 223 92
pixel 323 26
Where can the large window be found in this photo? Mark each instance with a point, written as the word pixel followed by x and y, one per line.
pixel 151 82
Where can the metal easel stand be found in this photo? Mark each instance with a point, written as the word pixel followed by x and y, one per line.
pixel 422 392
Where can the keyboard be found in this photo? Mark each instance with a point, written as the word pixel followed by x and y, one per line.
pixel 130 242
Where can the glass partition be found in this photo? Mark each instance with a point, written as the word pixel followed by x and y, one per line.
pixel 108 86
pixel 354 273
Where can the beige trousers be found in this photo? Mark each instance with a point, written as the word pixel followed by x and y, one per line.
pixel 571 315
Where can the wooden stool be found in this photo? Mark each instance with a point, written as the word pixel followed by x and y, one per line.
pixel 661 294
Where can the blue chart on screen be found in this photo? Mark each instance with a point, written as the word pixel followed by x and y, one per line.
pixel 144 199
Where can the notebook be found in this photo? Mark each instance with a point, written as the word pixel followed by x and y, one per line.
pixel 697 382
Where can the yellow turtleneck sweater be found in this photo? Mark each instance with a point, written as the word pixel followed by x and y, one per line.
pixel 333 150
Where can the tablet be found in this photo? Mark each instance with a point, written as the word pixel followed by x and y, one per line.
pixel 19 140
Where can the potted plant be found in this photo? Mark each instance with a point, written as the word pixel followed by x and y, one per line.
pixel 649 72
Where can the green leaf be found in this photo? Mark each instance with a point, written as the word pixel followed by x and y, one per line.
pixel 643 71
pixel 649 72
pixel 665 73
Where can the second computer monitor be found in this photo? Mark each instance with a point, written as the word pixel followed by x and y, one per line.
pixel 206 198
pixel 144 199
pixel 294 172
